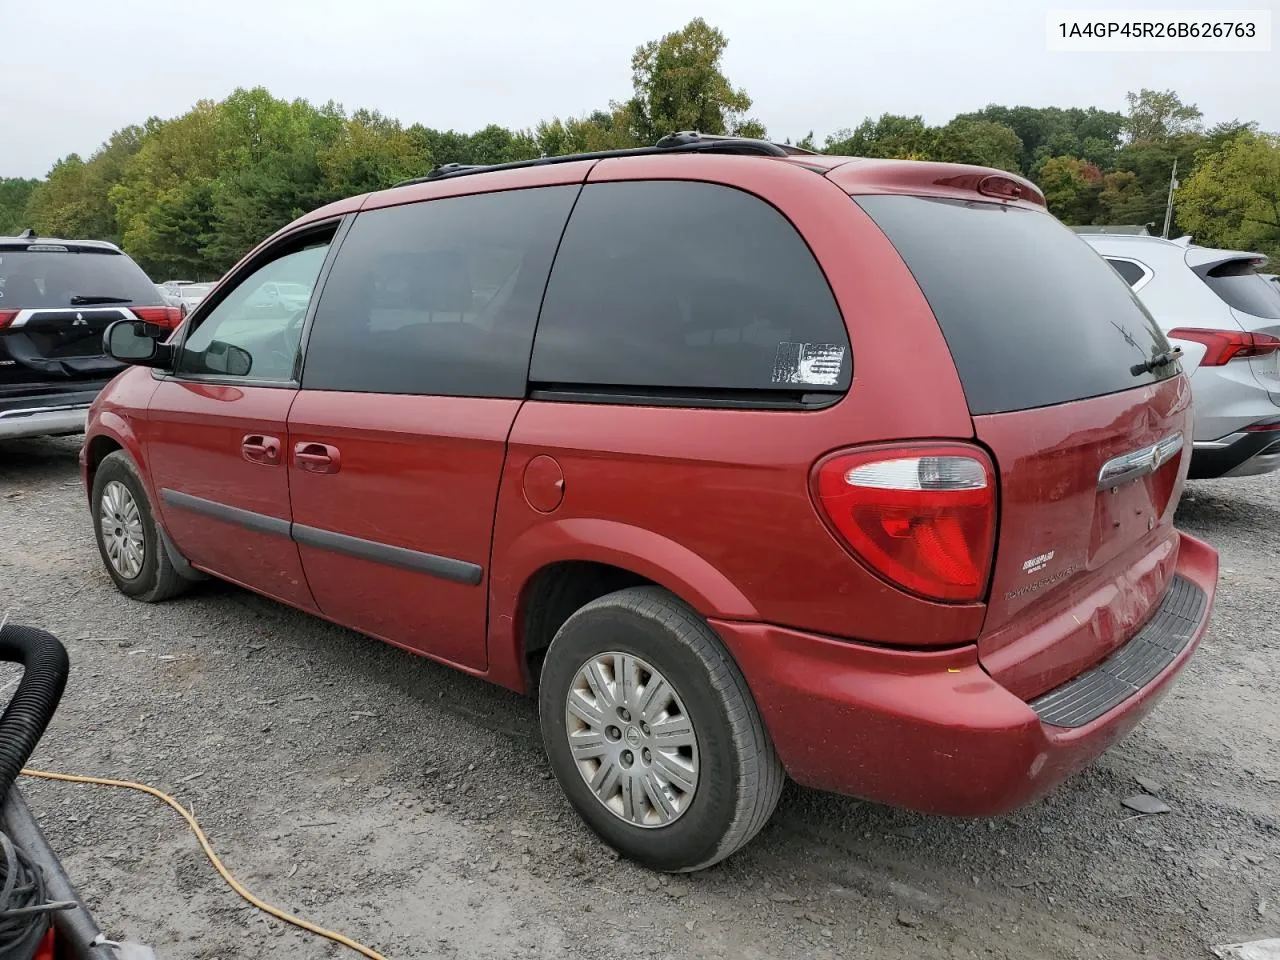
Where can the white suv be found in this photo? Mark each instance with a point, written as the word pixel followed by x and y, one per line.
pixel 1226 318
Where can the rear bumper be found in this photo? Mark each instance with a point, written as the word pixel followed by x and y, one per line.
pixel 46 409
pixel 43 421
pixel 1245 453
pixel 930 731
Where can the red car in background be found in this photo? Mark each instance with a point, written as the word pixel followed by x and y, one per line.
pixel 745 460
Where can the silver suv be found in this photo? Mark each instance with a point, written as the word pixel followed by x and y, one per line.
pixel 1226 318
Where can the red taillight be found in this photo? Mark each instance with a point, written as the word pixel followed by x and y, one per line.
pixel 923 517
pixel 6 317
pixel 1263 427
pixel 1222 346
pixel 167 317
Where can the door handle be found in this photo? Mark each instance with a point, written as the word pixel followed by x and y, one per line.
pixel 317 457
pixel 257 448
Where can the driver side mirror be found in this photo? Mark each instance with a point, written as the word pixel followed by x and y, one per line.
pixel 137 342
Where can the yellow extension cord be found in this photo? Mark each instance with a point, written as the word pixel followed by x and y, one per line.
pixel 213 858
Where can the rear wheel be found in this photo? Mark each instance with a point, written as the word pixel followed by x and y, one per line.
pixel 653 734
pixel 125 529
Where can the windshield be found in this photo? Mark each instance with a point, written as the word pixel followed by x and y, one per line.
pixel 35 279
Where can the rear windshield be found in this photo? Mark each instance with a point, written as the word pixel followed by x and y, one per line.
pixel 33 279
pixel 1031 314
pixel 1239 287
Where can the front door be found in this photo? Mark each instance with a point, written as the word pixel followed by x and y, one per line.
pixel 216 431
pixel 415 369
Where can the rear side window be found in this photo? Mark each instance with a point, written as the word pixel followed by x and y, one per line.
pixel 1131 272
pixel 35 279
pixel 438 297
pixel 1031 314
pixel 691 290
pixel 1239 287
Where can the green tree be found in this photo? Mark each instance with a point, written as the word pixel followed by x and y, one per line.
pixel 1152 164
pixel 180 224
pixel 495 144
pixel 440 146
pixel 983 142
pixel 177 161
pixel 1233 197
pixel 58 205
pixel 74 200
pixel 1122 199
pixel 600 131
pixel 15 194
pixel 679 85
pixel 889 136
pixel 1071 187
pixel 1090 134
pixel 370 152
pixel 1156 115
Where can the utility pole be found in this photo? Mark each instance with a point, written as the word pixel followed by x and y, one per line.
pixel 1168 210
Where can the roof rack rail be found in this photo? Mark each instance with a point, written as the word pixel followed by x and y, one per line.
pixel 686 141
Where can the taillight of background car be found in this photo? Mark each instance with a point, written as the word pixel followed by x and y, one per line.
pixel 922 516
pixel 166 317
pixel 1222 346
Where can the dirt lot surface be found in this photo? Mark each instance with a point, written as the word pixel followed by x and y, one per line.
pixel 411 807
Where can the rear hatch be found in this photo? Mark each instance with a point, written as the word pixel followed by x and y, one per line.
pixel 1069 387
pixel 56 299
pixel 1254 302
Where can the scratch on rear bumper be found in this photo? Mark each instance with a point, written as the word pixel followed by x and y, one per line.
pixel 1133 666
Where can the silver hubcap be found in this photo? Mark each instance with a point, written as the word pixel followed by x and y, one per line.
pixel 632 740
pixel 121 525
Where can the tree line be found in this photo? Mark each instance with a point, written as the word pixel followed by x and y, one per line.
pixel 190 195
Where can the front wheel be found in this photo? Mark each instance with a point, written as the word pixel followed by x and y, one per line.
pixel 130 544
pixel 653 734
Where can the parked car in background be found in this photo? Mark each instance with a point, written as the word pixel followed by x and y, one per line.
pixel 169 297
pixel 282 299
pixel 187 293
pixel 588 427
pixel 56 299
pixel 1226 318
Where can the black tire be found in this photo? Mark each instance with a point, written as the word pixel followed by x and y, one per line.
pixel 739 775
pixel 157 579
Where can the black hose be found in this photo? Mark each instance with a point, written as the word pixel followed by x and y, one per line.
pixel 24 906
pixel 44 675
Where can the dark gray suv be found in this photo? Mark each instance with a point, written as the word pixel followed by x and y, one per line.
pixel 56 298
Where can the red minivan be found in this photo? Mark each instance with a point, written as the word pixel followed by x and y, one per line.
pixel 746 461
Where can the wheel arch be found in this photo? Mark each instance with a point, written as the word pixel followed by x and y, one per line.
pixel 553 569
pixel 112 432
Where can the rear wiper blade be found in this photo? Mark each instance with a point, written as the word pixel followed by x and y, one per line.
pixel 1161 359
pixel 81 299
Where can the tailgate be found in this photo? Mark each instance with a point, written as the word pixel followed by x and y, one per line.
pixel 1087 544
pixel 1071 386
pixel 53 343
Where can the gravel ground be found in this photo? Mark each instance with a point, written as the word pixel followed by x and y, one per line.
pixel 410 806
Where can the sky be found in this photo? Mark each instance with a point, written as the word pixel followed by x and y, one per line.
pixel 77 70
